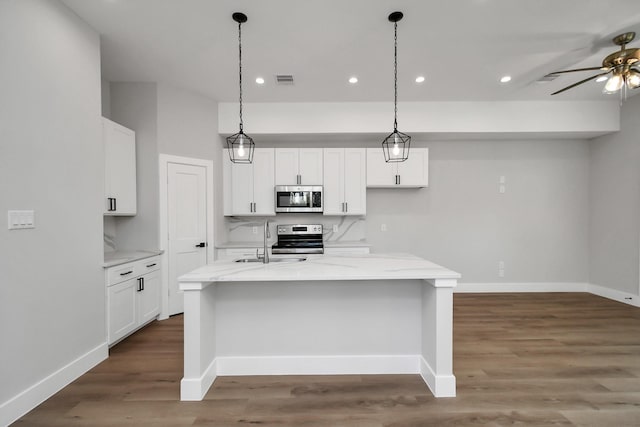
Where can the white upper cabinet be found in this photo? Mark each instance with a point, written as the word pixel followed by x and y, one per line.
pixel 248 188
pixel 120 169
pixel 299 166
pixel 412 173
pixel 345 181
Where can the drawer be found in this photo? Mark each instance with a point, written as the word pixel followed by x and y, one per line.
pixel 148 265
pixel 132 269
pixel 121 273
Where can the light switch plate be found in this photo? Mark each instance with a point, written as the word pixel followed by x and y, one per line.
pixel 21 219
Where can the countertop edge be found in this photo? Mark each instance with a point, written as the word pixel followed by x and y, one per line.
pixel 120 258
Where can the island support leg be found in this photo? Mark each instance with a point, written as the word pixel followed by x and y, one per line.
pixel 436 364
pixel 199 343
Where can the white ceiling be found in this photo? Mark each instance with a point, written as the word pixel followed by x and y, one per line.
pixel 462 47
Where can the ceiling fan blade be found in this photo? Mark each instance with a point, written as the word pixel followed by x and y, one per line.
pixel 580 82
pixel 577 69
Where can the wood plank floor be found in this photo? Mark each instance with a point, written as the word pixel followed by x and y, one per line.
pixel 520 359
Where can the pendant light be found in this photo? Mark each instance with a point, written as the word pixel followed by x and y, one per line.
pixel 240 145
pixel 396 145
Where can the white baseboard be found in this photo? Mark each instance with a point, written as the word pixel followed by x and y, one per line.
pixel 602 291
pixel 319 365
pixel 24 402
pixel 615 295
pixel 196 388
pixel 440 385
pixel 521 287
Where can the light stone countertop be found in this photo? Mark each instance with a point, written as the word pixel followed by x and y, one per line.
pixel 320 267
pixel 122 257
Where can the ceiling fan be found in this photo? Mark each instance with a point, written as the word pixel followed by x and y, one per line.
pixel 621 65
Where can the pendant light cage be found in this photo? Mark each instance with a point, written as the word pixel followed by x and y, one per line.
pixel 240 145
pixel 396 145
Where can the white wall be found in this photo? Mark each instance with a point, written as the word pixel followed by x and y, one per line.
pixel 52 304
pixel 135 105
pixel 188 127
pixel 615 204
pixel 167 120
pixel 537 227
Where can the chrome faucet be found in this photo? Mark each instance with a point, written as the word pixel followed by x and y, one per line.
pixel 265 253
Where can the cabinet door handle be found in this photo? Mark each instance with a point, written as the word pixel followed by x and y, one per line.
pixel 199 245
pixel 142 281
pixel 127 273
pixel 139 284
pixel 115 206
pixel 399 179
pixel 151 265
pixel 298 179
pixel 346 206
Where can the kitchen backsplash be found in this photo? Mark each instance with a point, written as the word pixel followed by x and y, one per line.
pixel 350 228
pixel 109 234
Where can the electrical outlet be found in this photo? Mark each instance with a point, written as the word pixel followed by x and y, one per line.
pixel 383 227
pixel 254 230
pixel 500 268
pixel 335 228
pixel 502 181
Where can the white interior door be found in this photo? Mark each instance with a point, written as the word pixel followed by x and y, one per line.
pixel 187 221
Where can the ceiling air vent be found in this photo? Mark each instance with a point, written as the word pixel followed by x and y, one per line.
pixel 284 79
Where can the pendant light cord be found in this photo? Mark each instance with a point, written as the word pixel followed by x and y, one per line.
pixel 395 76
pixel 240 68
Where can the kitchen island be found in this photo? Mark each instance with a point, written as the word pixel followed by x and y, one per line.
pixel 357 314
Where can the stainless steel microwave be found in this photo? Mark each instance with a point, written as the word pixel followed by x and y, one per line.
pixel 298 198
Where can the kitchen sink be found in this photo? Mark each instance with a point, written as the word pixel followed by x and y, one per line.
pixel 289 259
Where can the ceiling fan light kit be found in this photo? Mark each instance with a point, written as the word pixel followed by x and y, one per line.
pixel 240 145
pixel 396 145
pixel 619 69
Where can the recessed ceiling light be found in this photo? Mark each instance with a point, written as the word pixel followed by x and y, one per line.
pixel 419 79
pixel 260 80
pixel 505 79
pixel 601 79
pixel 353 80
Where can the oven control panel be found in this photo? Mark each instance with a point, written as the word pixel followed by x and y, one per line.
pixel 293 229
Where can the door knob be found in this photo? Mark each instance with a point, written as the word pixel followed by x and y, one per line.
pixel 201 245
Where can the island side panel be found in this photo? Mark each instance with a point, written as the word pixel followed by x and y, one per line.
pixel 199 342
pixel 436 367
pixel 319 327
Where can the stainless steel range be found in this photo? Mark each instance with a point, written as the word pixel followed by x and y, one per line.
pixel 299 239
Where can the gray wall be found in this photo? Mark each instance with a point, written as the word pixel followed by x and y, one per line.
pixel 135 105
pixel 52 303
pixel 537 227
pixel 167 120
pixel 615 204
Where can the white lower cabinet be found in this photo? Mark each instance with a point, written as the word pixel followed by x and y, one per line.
pixel 133 297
